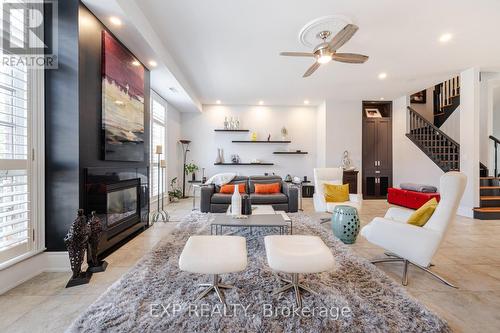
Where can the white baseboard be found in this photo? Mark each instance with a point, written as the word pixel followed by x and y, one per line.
pixel 465 211
pixel 31 267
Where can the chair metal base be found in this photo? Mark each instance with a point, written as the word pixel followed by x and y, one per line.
pixel 216 286
pixel 324 220
pixel 395 258
pixel 297 286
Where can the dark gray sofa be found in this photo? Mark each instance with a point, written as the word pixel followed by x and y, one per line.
pixel 288 200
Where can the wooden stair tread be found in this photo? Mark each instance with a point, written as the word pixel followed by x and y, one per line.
pixel 489 187
pixel 487 209
pixel 488 178
pixel 490 197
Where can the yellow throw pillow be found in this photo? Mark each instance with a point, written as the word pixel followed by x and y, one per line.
pixel 336 193
pixel 423 214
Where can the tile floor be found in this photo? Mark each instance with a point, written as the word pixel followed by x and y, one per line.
pixel 469 257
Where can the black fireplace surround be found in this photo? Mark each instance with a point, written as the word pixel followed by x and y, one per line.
pixel 120 198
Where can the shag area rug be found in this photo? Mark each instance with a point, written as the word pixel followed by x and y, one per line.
pixel 155 296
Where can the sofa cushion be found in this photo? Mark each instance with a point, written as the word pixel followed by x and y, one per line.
pixel 268 198
pixel 271 188
pixel 221 198
pixel 236 180
pixel 229 188
pixel 252 180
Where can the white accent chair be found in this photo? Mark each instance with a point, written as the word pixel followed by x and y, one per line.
pixel 297 254
pixel 417 245
pixel 214 255
pixel 330 176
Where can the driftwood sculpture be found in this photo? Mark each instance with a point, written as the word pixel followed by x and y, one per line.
pixel 95 228
pixel 76 243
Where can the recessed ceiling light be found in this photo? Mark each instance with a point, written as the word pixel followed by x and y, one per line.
pixel 115 20
pixel 382 76
pixel 445 37
pixel 261 102
pixel 136 63
pixel 306 102
pixel 152 63
pixel 217 101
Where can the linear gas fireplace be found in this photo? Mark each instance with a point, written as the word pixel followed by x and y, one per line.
pixel 119 196
pixel 122 202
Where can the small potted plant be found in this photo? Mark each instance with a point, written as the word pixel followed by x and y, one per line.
pixel 191 168
pixel 175 192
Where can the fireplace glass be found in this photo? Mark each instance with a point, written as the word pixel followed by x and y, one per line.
pixel 121 204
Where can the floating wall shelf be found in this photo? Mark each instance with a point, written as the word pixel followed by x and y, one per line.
pixel 230 130
pixel 290 152
pixel 261 141
pixel 244 163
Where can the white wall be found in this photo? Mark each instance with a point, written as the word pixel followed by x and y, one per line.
pixel 410 164
pixel 452 125
pixel 469 138
pixel 344 132
pixel 426 110
pixel 265 120
pixel 321 135
pixel 174 150
pixel 489 119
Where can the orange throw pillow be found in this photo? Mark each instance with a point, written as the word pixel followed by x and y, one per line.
pixel 267 188
pixel 229 188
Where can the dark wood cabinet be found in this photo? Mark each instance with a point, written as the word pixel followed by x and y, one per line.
pixel 351 177
pixel 377 150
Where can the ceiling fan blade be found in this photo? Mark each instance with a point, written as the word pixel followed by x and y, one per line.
pixel 342 37
pixel 351 58
pixel 311 69
pixel 297 54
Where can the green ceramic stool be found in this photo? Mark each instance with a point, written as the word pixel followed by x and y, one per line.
pixel 345 223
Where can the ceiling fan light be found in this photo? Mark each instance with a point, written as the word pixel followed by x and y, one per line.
pixel 324 59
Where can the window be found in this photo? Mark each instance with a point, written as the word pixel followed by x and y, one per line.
pixel 158 138
pixel 21 140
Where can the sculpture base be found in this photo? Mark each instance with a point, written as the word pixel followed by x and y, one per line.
pixel 99 268
pixel 82 278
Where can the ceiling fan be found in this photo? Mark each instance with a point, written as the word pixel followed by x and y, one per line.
pixel 327 51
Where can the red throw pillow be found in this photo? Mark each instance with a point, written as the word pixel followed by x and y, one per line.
pixel 229 188
pixel 267 188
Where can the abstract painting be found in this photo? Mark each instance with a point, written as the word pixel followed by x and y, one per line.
pixel 122 102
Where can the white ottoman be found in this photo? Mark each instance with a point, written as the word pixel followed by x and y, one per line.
pixel 214 255
pixel 295 254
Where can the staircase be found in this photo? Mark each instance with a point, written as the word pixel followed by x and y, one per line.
pixel 439 147
pixel 489 193
pixel 446 100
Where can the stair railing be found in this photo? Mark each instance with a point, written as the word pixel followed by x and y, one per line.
pixel 442 149
pixel 496 142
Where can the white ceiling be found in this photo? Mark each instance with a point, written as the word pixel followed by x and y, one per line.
pixel 228 49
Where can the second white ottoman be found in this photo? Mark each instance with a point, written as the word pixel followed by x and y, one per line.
pixel 295 254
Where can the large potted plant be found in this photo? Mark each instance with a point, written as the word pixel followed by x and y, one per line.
pixel 191 168
pixel 175 192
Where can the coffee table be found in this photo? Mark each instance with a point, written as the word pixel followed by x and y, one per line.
pixel 263 216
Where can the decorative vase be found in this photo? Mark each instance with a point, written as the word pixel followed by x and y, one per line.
pixel 218 159
pixel 193 176
pixel 76 242
pixel 253 137
pixel 246 208
pixel 226 123
pixel 236 201
pixel 345 223
pixel 221 155
pixel 95 227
